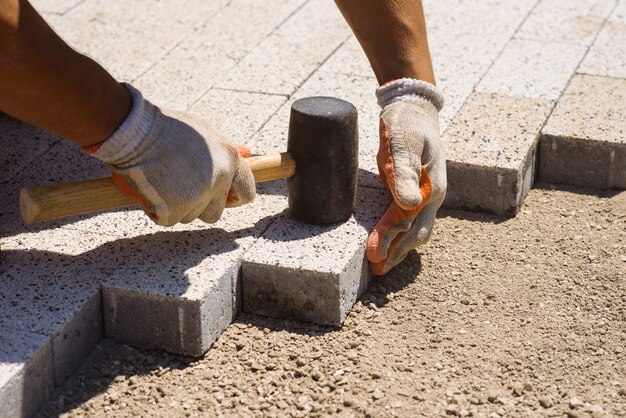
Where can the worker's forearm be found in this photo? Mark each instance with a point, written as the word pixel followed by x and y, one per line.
pixel 46 83
pixel 393 36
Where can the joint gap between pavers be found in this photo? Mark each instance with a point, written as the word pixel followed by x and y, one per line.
pixel 369 186
pixel 69 9
pixel 219 79
pixel 300 85
pixel 591 44
pixel 597 76
pixel 53 144
pixel 181 40
pixel 321 64
pixel 367 77
pixel 246 91
pixel 532 9
pixel 532 39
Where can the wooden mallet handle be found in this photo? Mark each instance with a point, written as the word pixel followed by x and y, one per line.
pixel 53 201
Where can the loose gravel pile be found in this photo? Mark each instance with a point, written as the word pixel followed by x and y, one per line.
pixel 519 317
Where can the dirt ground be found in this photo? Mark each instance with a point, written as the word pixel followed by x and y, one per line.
pixel 519 317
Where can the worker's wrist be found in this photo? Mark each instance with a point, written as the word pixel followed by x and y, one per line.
pixel 128 136
pixel 409 89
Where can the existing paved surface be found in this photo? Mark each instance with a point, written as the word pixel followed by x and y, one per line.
pixel 241 63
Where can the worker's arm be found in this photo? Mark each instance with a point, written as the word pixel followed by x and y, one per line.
pixel 411 157
pixel 175 164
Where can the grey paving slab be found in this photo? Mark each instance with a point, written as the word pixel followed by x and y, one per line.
pixel 26 376
pixel 239 114
pixel 290 54
pixel 491 149
pixel 73 341
pixel 607 55
pixel 573 21
pixel 535 69
pixel 17 153
pixel 584 140
pixel 461 55
pixel 126 39
pixel 349 59
pixel 177 290
pixel 187 72
pixel 47 277
pixel 311 273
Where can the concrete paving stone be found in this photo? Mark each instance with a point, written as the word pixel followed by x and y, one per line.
pixel 21 144
pixel 584 140
pixel 26 375
pixel 239 114
pixel 573 21
pixel 461 54
pixel 349 59
pixel 607 55
pixel 47 276
pixel 55 6
pixel 491 149
pixel 359 91
pixel 311 273
pixel 187 72
pixel 291 53
pixel 128 39
pixel 178 290
pixel 535 69
pixel 454 40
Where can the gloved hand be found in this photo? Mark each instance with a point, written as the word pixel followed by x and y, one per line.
pixel 412 166
pixel 175 164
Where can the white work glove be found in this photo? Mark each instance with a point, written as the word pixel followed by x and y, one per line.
pixel 412 166
pixel 175 164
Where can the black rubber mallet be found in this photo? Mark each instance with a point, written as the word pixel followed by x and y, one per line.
pixel 321 165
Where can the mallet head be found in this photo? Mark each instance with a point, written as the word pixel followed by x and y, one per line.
pixel 323 140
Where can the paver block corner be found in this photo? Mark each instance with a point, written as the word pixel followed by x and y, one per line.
pixel 584 140
pixel 311 273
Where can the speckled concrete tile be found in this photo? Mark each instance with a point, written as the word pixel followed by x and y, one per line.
pixel 534 69
pixel 26 376
pixel 289 55
pixel 49 286
pixel 178 290
pixel 127 40
pixel 55 6
pixel 239 115
pixel 54 277
pixel 21 145
pixel 607 55
pixel 180 78
pixel 349 59
pixel 311 273
pixel 461 54
pixel 573 21
pixel 64 162
pixel 491 150
pixel 584 140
